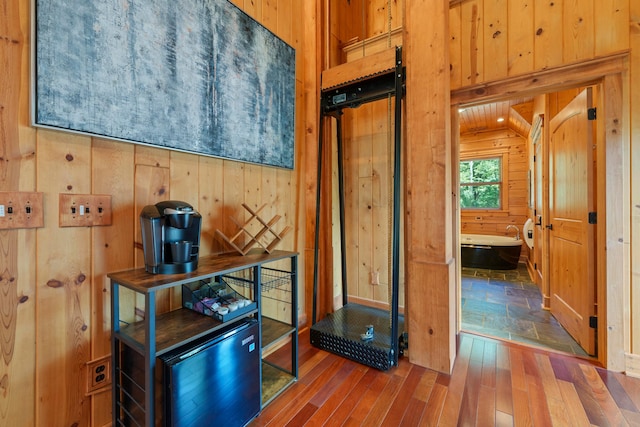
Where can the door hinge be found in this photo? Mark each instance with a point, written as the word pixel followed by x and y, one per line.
pixel 591 113
pixel 534 159
pixel 593 322
pixel 593 217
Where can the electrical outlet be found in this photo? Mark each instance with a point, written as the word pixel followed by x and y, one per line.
pixel 98 374
pixel 84 210
pixel 375 277
pixel 21 209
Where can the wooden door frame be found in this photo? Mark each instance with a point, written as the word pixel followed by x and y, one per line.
pixel 611 74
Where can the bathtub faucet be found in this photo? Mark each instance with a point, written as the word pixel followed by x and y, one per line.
pixel 510 226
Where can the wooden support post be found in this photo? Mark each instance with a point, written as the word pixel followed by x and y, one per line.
pixel 431 272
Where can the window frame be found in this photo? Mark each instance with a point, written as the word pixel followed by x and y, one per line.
pixel 501 154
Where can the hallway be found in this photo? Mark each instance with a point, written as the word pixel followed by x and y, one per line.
pixel 507 304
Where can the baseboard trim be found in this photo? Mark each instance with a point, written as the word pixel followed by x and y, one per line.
pixel 632 365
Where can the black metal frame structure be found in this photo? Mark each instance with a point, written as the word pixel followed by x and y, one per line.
pixel 340 332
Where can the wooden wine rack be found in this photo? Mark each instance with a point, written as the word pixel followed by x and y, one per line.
pixel 254 239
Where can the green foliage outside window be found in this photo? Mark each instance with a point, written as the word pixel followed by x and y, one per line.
pixel 480 183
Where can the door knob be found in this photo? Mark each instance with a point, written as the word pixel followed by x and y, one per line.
pixel 550 226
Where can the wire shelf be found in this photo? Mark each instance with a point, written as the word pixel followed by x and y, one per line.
pixel 233 281
pixel 276 279
pixel 272 279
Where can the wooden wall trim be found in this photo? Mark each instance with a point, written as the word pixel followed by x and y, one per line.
pixel 614 292
pixel 359 69
pixel 313 63
pixel 631 106
pixel 551 79
pixel 632 365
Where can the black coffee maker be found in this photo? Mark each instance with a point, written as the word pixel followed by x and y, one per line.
pixel 170 237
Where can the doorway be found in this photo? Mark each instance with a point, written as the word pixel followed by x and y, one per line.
pixel 526 304
pixel 611 279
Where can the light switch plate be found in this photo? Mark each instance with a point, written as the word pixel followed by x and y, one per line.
pixel 21 209
pixel 84 210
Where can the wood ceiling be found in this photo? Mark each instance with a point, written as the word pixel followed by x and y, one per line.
pixel 517 115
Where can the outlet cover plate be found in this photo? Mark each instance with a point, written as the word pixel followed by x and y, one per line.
pixel 98 374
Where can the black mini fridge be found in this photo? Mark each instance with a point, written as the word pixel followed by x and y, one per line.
pixel 214 381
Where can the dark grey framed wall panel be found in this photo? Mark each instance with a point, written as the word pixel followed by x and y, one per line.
pixel 192 75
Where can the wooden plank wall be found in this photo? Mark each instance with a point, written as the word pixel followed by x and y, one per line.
pixel 360 20
pixel 368 133
pixel 515 148
pixel 17 172
pixel 633 107
pixel 54 295
pixel 539 35
pixel 495 40
pixel 368 141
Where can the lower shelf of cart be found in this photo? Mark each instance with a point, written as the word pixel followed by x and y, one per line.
pixel 274 331
pixel 274 382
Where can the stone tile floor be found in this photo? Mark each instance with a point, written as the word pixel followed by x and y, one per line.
pixel 507 304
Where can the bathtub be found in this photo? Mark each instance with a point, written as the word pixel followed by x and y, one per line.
pixel 490 252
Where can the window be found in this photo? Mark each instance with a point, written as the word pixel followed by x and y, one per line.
pixel 481 183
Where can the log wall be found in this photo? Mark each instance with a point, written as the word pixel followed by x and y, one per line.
pixel 54 295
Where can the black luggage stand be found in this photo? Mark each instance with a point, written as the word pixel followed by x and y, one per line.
pixel 344 332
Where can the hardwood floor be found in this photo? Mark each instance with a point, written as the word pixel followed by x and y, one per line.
pixel 493 383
